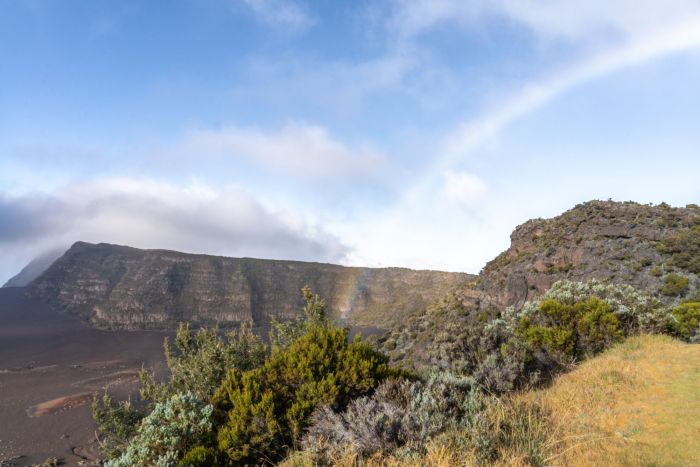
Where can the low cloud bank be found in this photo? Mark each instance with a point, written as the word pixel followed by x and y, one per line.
pixel 148 214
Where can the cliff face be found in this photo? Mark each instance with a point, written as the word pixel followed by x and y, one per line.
pixel 627 243
pixel 121 287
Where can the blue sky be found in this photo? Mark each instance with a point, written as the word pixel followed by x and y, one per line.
pixel 409 133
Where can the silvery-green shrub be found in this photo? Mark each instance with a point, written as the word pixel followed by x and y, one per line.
pixel 170 430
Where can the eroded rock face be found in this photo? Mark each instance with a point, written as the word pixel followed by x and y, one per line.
pixel 618 242
pixel 121 287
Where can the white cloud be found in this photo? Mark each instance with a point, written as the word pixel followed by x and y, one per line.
pixel 572 19
pixel 302 150
pixel 284 13
pixel 464 188
pixel 149 214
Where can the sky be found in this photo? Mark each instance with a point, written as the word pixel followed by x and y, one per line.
pixel 412 133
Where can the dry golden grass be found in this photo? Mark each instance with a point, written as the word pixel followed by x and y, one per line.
pixel 637 404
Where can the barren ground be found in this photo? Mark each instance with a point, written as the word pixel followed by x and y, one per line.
pixel 50 365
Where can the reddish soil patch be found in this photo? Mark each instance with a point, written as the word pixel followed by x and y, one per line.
pixel 60 404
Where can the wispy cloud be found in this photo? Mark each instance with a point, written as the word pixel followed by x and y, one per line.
pixel 297 149
pixel 282 13
pixel 464 188
pixel 532 96
pixel 590 20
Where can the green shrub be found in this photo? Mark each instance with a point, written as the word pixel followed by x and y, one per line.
pixel 282 334
pixel 266 409
pixel 171 429
pixel 572 331
pixel 200 456
pixel 199 361
pixel 117 422
pixel 675 285
pixel 686 322
pixel 636 311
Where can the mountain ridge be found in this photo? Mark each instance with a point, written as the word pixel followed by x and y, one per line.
pixel 118 286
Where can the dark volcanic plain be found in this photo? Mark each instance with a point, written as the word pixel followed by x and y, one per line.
pixel 50 365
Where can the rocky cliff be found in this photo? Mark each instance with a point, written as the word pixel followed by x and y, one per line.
pixel 627 243
pixel 656 249
pixel 120 287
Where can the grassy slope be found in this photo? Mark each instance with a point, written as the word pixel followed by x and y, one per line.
pixel 637 404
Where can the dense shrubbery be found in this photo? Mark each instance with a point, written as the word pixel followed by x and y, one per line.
pixel 197 364
pixel 263 401
pixel 636 311
pixel 512 349
pixel 400 414
pixel 267 409
pixel 245 403
pixel 569 332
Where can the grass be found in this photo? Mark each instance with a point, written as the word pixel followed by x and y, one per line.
pixel 637 404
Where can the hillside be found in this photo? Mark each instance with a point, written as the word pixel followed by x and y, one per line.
pixel 121 287
pixel 655 249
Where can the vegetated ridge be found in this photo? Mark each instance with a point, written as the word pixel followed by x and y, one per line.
pixel 121 287
pixel 654 248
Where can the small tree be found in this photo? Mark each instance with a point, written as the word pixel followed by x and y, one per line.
pixel 282 334
pixel 199 361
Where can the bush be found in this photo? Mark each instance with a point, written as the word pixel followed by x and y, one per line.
pixel 282 334
pixel 686 323
pixel 199 361
pixel 368 426
pixel 675 285
pixel 401 416
pixel 170 430
pixel 200 456
pixel 637 312
pixel 117 422
pixel 571 331
pixel 266 409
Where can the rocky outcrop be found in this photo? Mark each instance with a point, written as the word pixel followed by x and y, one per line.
pixel 121 287
pixel 618 242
